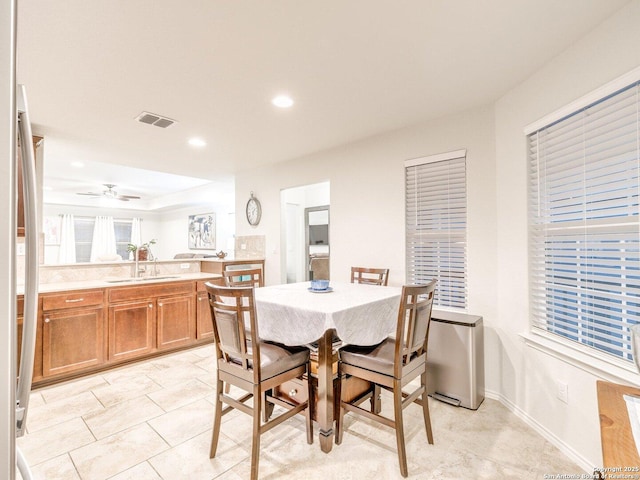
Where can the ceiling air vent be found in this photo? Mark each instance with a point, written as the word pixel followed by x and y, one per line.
pixel 154 119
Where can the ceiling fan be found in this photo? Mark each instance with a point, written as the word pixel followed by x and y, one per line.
pixel 111 193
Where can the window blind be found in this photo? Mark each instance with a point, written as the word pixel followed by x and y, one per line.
pixel 436 224
pixel 584 230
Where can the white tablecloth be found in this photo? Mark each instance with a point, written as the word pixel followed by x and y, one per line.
pixel 361 314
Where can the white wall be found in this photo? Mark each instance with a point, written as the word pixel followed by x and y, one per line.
pixel 174 227
pixel 367 200
pixel 525 377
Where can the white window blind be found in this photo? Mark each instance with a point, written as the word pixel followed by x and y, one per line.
pixel 436 225
pixel 584 229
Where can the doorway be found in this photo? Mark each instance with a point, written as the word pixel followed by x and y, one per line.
pixel 301 208
pixel 317 242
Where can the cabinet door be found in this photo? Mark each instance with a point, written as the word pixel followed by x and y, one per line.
pixel 204 325
pixel 72 340
pixel 176 321
pixel 131 329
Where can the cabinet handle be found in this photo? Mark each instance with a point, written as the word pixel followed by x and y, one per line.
pixel 151 305
pixel 159 304
pixel 47 320
pixel 293 392
pixel 76 300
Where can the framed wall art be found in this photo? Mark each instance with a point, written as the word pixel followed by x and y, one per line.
pixel 202 231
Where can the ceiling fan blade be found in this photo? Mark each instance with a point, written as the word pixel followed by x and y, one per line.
pixel 90 194
pixel 128 197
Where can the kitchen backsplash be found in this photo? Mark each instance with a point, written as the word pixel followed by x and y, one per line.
pixel 96 271
pixel 250 246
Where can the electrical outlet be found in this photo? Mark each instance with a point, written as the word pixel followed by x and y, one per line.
pixel 563 392
pixel 243 246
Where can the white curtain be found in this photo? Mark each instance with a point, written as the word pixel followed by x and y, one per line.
pixel 104 239
pixel 67 251
pixel 135 234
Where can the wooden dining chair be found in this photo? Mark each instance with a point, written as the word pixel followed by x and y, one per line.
pixel 252 365
pixel 370 276
pixel 392 364
pixel 250 277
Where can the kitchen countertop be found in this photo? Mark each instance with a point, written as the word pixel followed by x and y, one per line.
pixel 232 259
pixel 111 282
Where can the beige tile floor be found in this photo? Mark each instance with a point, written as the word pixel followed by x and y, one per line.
pixel 152 420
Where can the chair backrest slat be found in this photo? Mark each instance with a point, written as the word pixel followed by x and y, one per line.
pixel 235 327
pixel 414 318
pixel 250 277
pixel 370 276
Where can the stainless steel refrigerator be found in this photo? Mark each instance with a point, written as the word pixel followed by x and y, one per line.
pixel 15 380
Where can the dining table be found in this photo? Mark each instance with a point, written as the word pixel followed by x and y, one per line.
pixel 294 314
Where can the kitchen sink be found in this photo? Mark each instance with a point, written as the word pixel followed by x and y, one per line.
pixel 140 279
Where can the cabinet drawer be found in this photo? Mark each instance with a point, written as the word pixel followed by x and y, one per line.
pixel 124 294
pixel 72 300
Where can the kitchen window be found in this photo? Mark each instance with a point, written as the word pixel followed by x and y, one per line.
pixel 84 227
pixel 584 230
pixel 436 225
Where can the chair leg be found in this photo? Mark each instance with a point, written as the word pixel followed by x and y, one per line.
pixel 340 417
pixel 217 418
pixel 309 416
pixel 425 408
pixel 255 444
pixel 267 407
pixel 399 425
pixel 376 402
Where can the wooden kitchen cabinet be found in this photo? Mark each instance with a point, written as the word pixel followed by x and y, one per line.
pixel 131 329
pixel 73 332
pixel 176 321
pixel 84 331
pixel 37 362
pixel 219 266
pixel 204 324
pixel 147 318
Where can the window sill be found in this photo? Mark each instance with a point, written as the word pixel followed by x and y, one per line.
pixel 608 369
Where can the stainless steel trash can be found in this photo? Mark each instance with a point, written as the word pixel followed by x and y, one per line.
pixel 455 359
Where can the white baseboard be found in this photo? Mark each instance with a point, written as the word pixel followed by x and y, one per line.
pixel 581 461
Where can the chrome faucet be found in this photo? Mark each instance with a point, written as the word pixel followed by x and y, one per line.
pixel 137 269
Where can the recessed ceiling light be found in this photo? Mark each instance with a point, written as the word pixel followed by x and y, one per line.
pixel 77 164
pixel 197 142
pixel 282 101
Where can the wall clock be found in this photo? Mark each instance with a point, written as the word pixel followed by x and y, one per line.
pixel 254 210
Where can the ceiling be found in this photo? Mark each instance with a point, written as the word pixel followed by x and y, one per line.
pixel 354 68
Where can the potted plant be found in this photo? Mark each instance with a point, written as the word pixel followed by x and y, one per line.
pixel 143 251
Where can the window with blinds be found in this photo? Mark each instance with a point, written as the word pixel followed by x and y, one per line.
pixel 584 229
pixel 436 225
